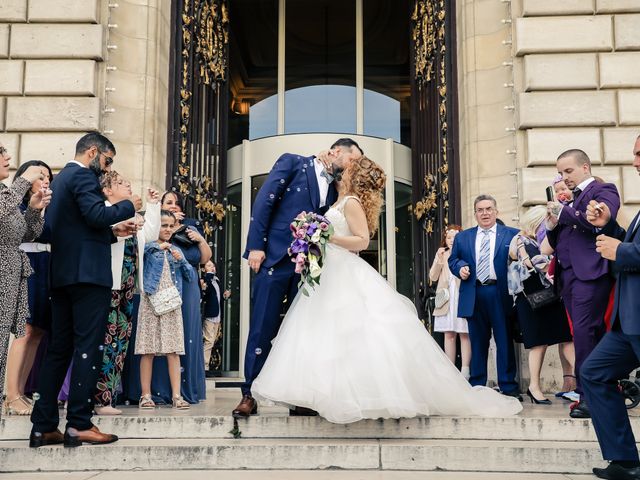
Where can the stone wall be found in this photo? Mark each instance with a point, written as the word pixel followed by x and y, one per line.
pixel 71 66
pixel 578 86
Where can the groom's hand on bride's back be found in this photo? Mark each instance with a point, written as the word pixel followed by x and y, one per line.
pixel 256 257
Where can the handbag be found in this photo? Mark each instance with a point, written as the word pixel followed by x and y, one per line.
pixel 542 298
pixel 442 297
pixel 181 238
pixel 165 301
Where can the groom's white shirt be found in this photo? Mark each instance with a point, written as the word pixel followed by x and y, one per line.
pixel 323 185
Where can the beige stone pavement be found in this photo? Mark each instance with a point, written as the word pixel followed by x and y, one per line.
pixel 286 474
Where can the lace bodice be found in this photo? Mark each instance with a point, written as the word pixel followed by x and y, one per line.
pixel 336 216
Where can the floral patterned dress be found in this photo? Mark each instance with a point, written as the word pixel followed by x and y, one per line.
pixel 116 341
pixel 15 228
pixel 159 334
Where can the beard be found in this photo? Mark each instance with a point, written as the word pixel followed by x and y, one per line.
pixel 337 173
pixel 95 166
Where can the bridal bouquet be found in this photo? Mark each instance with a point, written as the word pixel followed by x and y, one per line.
pixel 311 232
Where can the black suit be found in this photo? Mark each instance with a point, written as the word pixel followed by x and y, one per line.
pixel 80 294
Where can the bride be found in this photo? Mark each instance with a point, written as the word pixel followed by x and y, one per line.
pixel 355 348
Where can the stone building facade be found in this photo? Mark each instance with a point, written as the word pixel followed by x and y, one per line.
pixel 538 77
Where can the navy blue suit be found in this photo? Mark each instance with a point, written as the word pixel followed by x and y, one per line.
pixel 617 354
pixel 290 188
pixel 80 294
pixel 486 307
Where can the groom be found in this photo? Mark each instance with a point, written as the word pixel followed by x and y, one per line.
pixel 295 184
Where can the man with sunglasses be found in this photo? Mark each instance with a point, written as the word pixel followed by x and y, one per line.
pixel 81 237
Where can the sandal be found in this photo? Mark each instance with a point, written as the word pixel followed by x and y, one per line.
pixel 146 403
pixel 18 406
pixel 180 403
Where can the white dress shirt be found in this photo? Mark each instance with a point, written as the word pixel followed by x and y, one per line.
pixel 78 163
pixel 323 185
pixel 493 231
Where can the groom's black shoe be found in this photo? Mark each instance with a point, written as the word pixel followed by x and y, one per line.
pixel 247 406
pixel 302 412
pixel 617 472
pixel 514 394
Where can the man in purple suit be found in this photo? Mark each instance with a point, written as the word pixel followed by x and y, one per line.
pixel 584 275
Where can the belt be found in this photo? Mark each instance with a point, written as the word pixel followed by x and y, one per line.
pixel 486 282
pixel 34 247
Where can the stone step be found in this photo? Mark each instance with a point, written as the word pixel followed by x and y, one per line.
pixel 305 454
pixel 179 425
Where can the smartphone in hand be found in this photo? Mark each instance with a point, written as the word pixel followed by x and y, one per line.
pixel 550 194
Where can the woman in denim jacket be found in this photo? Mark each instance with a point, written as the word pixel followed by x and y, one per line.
pixel 162 335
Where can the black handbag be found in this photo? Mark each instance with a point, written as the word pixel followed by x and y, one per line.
pixel 542 298
pixel 180 237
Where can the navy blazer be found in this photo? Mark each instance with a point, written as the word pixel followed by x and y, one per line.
pixel 574 238
pixel 290 188
pixel 80 225
pixel 463 254
pixel 626 308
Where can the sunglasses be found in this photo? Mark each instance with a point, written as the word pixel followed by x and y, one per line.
pixel 108 159
pixel 3 151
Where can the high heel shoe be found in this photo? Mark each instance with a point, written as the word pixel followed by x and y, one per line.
pixel 18 406
pixel 544 401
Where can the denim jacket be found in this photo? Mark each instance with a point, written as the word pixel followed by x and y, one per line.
pixel 153 263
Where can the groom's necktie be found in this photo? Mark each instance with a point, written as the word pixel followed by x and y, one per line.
pixel 327 176
pixel 484 265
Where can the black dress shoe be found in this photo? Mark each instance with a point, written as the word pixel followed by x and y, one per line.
pixel 579 410
pixel 514 394
pixel 302 412
pixel 40 439
pixel 617 472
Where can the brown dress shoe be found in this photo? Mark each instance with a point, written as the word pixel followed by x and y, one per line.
pixel 40 439
pixel 247 406
pixel 93 436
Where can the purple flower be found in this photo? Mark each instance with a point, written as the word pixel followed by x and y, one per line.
pixel 314 249
pixel 299 246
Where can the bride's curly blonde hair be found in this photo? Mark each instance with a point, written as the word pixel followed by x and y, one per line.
pixel 367 181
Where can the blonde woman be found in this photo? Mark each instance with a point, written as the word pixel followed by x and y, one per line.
pixel 446 312
pixel 544 326
pixel 355 348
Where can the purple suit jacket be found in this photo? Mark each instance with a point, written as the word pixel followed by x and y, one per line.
pixel 574 239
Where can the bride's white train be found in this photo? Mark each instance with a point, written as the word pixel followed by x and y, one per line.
pixel 355 349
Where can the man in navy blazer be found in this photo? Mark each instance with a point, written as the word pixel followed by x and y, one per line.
pixel 584 275
pixel 479 258
pixel 81 236
pixel 295 184
pixel 618 352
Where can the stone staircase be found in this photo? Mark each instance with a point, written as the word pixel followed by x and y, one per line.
pixel 540 440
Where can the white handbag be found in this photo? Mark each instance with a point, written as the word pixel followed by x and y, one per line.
pixel 166 300
pixel 442 297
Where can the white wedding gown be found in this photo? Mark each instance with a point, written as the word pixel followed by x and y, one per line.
pixel 355 349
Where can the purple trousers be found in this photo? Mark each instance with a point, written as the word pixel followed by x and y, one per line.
pixel 586 302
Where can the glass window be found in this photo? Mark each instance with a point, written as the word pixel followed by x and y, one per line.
pixel 253 69
pixel 320 66
pixel 387 92
pixel 404 239
pixel 233 259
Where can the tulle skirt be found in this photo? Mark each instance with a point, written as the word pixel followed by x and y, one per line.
pixel 355 349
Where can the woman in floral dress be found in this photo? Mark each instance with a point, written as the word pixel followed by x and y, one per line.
pixel 127 268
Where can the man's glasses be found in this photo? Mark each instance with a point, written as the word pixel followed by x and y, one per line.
pixel 3 151
pixel 108 160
